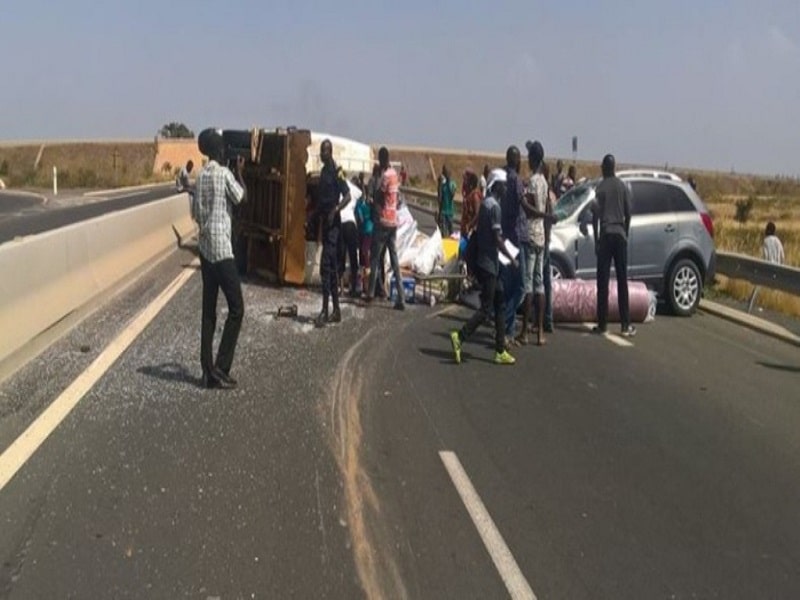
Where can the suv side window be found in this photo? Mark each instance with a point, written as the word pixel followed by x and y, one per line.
pixel 679 201
pixel 649 198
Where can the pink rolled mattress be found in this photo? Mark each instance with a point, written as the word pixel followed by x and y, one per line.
pixel 575 301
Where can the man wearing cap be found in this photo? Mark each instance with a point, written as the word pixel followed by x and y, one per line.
pixel 217 189
pixel 612 210
pixel 334 195
pixel 490 244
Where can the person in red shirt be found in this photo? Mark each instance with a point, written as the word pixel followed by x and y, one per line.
pixel 403 175
pixel 385 234
pixel 472 203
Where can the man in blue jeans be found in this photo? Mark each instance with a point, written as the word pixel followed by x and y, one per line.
pixel 515 230
pixel 216 190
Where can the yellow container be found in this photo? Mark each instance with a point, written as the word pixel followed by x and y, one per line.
pixel 450 249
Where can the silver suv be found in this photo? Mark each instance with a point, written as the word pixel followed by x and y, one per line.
pixel 671 241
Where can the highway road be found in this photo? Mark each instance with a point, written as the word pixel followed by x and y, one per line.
pixel 360 461
pixel 12 202
pixel 23 214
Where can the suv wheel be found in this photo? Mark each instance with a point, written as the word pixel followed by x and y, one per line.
pixel 557 269
pixel 684 287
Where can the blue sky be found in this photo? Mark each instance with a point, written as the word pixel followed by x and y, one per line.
pixel 709 83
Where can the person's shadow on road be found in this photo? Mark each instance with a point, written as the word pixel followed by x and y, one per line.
pixel 173 373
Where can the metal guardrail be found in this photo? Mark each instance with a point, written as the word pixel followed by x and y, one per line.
pixel 759 272
pixel 427 201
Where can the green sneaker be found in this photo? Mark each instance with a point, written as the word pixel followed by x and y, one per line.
pixel 504 358
pixel 455 339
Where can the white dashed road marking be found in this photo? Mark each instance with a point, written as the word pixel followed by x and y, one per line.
pixel 613 338
pixel 503 560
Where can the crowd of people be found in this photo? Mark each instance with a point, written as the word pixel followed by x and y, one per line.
pixel 509 224
pixel 506 220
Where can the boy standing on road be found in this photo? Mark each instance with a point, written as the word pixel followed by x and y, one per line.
pixel 216 191
pixel 613 212
pixel 490 244
pixel 535 205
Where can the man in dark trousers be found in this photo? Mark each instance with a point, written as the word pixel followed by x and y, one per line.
pixel 490 244
pixel 217 189
pixel 515 230
pixel 334 194
pixel 612 210
pixel 384 237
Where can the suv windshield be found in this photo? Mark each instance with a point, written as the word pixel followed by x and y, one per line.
pixel 572 200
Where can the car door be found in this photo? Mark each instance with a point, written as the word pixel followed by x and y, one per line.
pixel 585 257
pixel 653 232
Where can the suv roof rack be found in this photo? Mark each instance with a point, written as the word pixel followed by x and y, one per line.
pixel 650 173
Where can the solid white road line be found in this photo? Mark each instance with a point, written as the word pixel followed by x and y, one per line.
pixel 18 453
pixel 614 339
pixel 515 581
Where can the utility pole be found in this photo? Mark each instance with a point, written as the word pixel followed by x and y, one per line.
pixel 115 159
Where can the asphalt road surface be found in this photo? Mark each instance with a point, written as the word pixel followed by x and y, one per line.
pixel 22 217
pixel 12 202
pixel 360 461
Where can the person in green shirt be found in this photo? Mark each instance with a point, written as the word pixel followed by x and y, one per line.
pixel 365 228
pixel 447 194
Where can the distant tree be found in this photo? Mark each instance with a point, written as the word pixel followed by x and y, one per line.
pixel 176 130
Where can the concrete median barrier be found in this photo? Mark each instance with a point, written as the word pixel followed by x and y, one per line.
pixel 48 277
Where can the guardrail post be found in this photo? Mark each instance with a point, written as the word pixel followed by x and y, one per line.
pixel 55 181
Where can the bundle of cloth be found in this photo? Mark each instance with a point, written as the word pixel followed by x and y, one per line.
pixel 575 301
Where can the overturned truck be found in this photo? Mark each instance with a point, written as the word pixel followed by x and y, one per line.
pixel 282 174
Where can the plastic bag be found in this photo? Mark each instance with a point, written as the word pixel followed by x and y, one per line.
pixel 429 254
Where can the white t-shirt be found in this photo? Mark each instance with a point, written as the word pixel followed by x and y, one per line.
pixel 348 213
pixel 773 250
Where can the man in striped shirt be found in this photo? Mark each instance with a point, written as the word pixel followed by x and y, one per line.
pixel 216 190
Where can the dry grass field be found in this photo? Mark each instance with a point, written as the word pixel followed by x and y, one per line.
pixel 746 238
pixel 80 165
